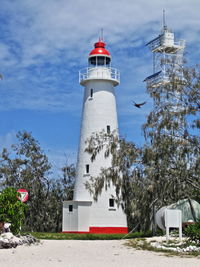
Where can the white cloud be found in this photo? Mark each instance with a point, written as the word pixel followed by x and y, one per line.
pixel 44 44
pixel 43 39
pixel 42 28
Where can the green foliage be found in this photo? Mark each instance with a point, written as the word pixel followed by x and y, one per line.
pixel 171 154
pixel 27 166
pixel 121 174
pixel 60 236
pixel 68 180
pixel 193 232
pixel 11 209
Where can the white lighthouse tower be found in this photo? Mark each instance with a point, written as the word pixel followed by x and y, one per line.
pixel 83 215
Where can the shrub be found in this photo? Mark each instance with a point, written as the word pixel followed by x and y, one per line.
pixel 11 209
pixel 193 232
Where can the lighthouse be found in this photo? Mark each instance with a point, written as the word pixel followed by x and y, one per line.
pixel 83 214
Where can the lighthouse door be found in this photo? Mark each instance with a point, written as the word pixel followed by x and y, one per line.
pixel 73 217
pixel 70 216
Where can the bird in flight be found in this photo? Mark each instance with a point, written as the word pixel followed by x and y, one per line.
pixel 138 105
pixel 1 76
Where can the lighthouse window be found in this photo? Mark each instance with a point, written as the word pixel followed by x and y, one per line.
pixel 87 168
pixel 91 92
pixel 100 61
pixel 108 129
pixel 111 202
pixel 107 61
pixel 70 208
pixel 92 61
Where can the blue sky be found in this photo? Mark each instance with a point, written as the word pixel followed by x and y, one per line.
pixel 43 45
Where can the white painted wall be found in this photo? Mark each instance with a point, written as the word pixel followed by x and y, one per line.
pixel 98 112
pixel 79 218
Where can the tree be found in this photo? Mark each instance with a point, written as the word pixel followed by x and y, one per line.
pixel 12 209
pixel 167 167
pixel 121 174
pixel 60 189
pixel 171 156
pixel 68 180
pixel 27 166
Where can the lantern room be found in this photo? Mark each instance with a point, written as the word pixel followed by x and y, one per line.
pixel 99 56
pixel 99 66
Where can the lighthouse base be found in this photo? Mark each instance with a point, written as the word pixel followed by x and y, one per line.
pixel 101 230
pixel 78 215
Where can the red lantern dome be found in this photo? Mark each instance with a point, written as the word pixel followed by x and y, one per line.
pixel 99 49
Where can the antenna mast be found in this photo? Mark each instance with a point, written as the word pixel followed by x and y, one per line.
pixel 101 38
pixel 165 51
pixel 164 21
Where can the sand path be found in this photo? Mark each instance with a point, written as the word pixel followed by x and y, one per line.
pixel 75 253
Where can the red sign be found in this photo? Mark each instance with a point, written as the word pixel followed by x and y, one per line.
pixel 24 195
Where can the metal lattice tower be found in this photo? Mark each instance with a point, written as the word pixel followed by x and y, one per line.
pixel 168 76
pixel 166 52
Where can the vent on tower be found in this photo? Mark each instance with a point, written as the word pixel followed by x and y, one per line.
pixel 91 92
pixel 111 202
pixel 70 208
pixel 108 129
pixel 87 168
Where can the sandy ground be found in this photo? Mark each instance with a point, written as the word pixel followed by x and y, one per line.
pixel 75 253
